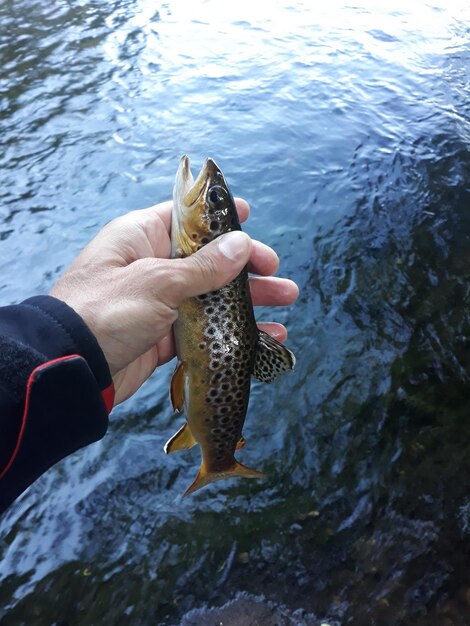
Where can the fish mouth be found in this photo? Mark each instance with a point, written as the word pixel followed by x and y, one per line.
pixel 189 190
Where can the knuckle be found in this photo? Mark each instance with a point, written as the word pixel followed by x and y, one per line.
pixel 169 283
pixel 206 266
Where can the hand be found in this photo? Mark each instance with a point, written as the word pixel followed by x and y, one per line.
pixel 127 290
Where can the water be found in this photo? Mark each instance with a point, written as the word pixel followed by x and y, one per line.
pixel 347 127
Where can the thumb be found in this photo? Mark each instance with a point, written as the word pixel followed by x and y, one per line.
pixel 210 268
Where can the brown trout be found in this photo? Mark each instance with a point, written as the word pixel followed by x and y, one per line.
pixel 218 343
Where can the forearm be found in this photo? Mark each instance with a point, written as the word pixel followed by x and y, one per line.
pixel 55 390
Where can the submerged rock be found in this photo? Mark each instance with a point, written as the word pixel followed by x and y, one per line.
pixel 249 610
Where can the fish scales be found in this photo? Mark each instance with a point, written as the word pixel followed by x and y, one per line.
pixel 218 343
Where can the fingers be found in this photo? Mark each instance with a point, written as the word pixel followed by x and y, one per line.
pixel 273 291
pixel 122 241
pixel 208 269
pixel 243 209
pixel 277 331
pixel 162 210
pixel 166 349
pixel 263 260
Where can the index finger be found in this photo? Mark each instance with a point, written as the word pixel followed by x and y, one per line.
pixel 243 209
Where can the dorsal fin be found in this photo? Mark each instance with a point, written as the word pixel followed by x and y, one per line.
pixel 272 359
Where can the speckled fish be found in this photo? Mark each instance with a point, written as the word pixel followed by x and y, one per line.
pixel 219 345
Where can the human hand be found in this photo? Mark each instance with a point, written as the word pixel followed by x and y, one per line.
pixel 127 290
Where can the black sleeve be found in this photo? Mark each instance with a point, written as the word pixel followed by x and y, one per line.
pixel 55 390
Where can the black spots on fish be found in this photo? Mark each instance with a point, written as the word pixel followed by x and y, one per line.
pixel 194 236
pixel 213 294
pixel 202 345
pixel 211 395
pixel 211 331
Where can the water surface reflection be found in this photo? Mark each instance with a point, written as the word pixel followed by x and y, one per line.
pixel 348 130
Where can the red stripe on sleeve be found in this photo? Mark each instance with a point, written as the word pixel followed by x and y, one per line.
pixel 107 395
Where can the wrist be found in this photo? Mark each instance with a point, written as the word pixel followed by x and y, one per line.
pixel 79 338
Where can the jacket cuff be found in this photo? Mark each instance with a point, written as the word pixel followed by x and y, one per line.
pixel 76 336
pixel 62 413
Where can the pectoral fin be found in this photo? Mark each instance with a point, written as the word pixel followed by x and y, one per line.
pixel 182 440
pixel 272 359
pixel 177 387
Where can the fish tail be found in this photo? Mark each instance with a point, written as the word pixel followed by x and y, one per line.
pixel 205 476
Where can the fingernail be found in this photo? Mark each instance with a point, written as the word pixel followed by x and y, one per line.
pixel 233 245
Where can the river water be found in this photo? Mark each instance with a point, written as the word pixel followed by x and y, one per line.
pixel 347 128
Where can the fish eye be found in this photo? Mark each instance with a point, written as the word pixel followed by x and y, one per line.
pixel 216 195
pixel 213 196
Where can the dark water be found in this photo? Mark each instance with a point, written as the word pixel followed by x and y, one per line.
pixel 348 130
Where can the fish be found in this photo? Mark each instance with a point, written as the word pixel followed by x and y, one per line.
pixel 218 344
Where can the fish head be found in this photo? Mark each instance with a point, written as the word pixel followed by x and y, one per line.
pixel 203 209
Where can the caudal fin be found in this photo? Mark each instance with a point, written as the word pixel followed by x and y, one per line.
pixel 206 477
